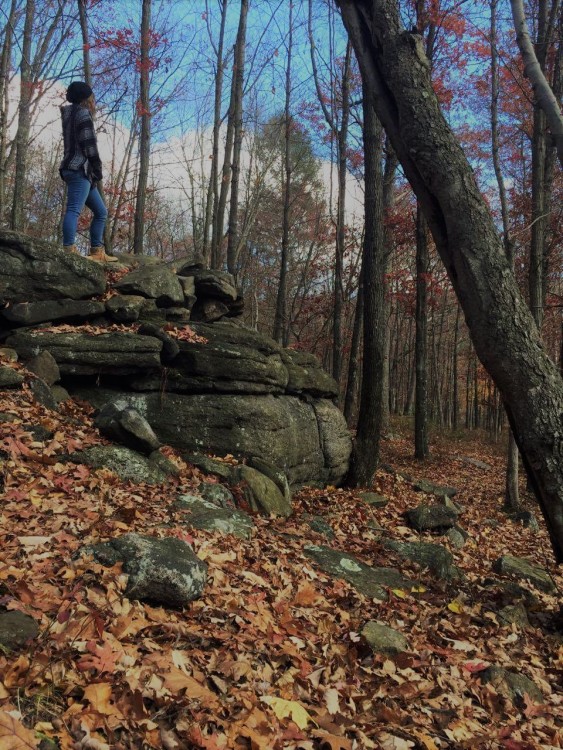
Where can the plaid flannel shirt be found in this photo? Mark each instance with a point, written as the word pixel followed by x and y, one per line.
pixel 80 144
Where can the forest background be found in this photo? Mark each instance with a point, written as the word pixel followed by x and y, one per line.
pixel 231 132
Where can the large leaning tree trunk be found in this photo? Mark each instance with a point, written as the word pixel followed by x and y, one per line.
pixel 505 336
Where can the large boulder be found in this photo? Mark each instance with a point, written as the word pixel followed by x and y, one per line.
pixel 126 463
pixel 35 270
pixel 284 431
pixel 120 422
pixel 88 354
pixel 522 569
pixel 153 282
pixel 162 571
pixel 372 582
pixel 53 311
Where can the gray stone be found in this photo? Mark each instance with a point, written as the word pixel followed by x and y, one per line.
pixel 457 536
pixel 45 366
pixel 163 571
pixel 177 315
pixel 261 494
pixel 126 463
pixel 431 517
pixel 10 378
pixel 318 524
pixel 371 582
pixel 89 354
pixel 188 286
pixel 336 441
pixel 208 310
pixel 527 519
pixel 60 394
pixel 206 515
pixel 216 494
pixel 522 569
pixel 121 423
pixel 8 355
pixel 306 375
pixel 514 614
pixel 229 359
pixel 282 431
pixel 154 282
pixel 512 685
pixel 437 559
pixel 43 394
pixel 220 469
pixel 277 476
pixel 423 485
pixel 384 640
pixel 166 465
pixel 449 503
pixel 373 499
pixel 475 462
pixel 210 283
pixel 36 270
pixel 53 311
pixel 16 629
pixel 170 347
pixel 125 308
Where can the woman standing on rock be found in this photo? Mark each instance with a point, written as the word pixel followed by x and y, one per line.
pixel 81 169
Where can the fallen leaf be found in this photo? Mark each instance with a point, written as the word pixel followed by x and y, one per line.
pixel 332 701
pixel 98 694
pixel 289 709
pixel 13 734
pixel 392 742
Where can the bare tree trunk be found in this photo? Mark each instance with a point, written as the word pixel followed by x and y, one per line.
pixel 83 18
pixel 280 322
pixel 350 397
pixel 511 494
pixel 388 201
pixel 533 69
pixel 145 137
pixel 238 75
pixel 4 99
pixel 24 119
pixel 340 221
pixel 421 449
pixel 365 455
pixel 211 213
pixel 396 71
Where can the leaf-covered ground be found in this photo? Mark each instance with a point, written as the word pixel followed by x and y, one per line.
pixel 270 656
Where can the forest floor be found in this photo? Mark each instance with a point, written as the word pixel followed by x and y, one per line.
pixel 270 656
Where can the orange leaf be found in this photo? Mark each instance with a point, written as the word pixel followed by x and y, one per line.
pixel 13 734
pixel 98 694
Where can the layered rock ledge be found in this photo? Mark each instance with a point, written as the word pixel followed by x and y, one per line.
pixel 168 340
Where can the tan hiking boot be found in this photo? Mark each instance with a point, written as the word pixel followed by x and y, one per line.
pixel 71 249
pixel 99 255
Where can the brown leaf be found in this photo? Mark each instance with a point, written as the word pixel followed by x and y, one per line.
pixel 13 734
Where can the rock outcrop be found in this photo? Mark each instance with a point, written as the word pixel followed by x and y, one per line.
pixel 213 386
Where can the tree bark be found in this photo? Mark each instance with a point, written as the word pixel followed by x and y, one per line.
pixel 396 71
pixel 145 137
pixel 4 99
pixel 280 322
pixel 421 340
pixel 210 250
pixel 238 75
pixel 365 455
pixel 533 70
pixel 24 119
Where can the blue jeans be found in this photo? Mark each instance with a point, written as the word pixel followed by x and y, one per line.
pixel 80 193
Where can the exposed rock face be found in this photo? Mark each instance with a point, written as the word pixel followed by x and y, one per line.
pixel 216 387
pixel 164 571
pixel 518 567
pixel 16 629
pixel 383 639
pixel 34 270
pixel 371 582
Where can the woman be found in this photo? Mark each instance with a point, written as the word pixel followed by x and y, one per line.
pixel 81 169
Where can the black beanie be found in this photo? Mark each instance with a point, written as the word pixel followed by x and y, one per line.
pixel 77 92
